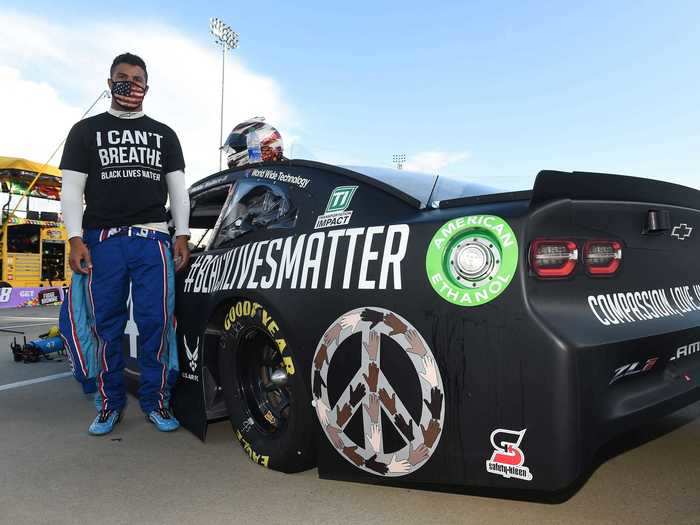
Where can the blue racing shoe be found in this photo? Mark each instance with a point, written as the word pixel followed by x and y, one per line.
pixel 163 420
pixel 105 422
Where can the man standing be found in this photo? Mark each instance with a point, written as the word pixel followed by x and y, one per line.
pixel 126 164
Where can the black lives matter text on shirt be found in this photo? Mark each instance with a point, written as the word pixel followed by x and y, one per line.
pixel 126 161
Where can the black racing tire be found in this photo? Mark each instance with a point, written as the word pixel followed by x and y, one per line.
pixel 5 284
pixel 272 420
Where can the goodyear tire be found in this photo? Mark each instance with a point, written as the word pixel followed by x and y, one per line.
pixel 267 402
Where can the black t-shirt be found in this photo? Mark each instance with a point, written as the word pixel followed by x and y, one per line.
pixel 126 160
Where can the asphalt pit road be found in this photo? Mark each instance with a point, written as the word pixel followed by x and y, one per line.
pixel 346 361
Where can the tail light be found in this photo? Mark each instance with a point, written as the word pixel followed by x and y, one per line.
pixel 553 258
pixel 602 257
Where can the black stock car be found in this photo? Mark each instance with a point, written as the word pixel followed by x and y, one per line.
pixel 400 328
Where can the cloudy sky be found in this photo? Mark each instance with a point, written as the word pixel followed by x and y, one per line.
pixel 489 92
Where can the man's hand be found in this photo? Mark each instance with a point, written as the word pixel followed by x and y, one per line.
pixel 375 465
pixel 333 334
pixel 181 252
pixel 405 428
pixel 372 378
pixel 431 433
pixel 343 414
pixel 388 402
pixel 79 253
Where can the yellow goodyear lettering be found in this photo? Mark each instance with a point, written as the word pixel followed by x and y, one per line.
pixel 240 309
pixel 254 456
pixel 250 309
pixel 289 365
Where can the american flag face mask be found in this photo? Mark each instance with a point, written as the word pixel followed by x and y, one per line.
pixel 128 94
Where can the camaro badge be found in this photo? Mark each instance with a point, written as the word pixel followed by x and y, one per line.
pixel 508 458
pixel 378 426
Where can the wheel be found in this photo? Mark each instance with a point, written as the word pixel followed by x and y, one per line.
pixel 5 284
pixel 268 404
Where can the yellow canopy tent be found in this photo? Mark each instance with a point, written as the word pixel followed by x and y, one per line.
pixel 15 163
pixel 18 175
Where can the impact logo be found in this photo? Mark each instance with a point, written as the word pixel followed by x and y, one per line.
pixel 682 231
pixel 337 213
pixel 507 459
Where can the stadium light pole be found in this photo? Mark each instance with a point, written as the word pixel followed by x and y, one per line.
pixel 399 159
pixel 227 38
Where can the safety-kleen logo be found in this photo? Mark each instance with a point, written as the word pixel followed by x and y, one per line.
pixel 508 458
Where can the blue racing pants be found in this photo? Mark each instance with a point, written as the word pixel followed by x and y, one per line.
pixel 143 258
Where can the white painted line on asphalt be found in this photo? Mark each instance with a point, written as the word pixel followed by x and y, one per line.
pixel 23 325
pixel 25 317
pixel 34 381
pixel 28 318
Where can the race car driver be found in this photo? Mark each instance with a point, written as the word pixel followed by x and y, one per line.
pixel 126 164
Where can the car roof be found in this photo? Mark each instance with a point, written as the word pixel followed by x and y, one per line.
pixel 424 187
pixel 417 188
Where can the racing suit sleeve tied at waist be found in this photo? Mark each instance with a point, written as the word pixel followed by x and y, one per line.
pixel 77 327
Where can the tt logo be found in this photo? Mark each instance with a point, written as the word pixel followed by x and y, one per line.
pixel 682 231
pixel 340 199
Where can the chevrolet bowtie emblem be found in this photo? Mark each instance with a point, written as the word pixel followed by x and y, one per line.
pixel 682 231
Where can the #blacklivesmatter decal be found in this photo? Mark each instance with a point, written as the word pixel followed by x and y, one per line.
pixel 508 459
pixel 635 306
pixel 370 396
pixel 129 154
pixel 337 213
pixel 321 260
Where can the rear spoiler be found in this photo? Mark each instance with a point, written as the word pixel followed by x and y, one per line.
pixel 579 185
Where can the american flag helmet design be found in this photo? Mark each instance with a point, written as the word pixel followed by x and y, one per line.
pixel 270 140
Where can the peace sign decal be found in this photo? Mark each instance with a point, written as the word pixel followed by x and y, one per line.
pixel 370 392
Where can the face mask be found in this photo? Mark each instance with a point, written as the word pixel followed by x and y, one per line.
pixel 128 94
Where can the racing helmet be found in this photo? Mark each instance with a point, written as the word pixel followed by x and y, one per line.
pixel 253 141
